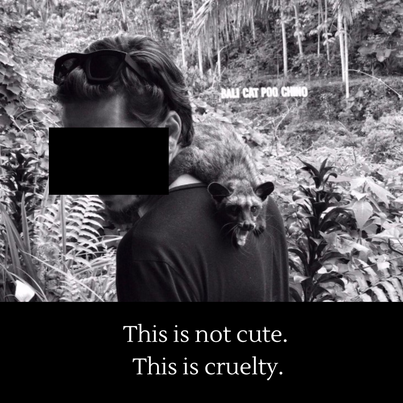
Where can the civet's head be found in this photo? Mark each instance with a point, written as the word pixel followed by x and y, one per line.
pixel 241 204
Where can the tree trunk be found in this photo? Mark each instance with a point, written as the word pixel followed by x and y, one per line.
pixel 123 21
pixel 320 12
pixel 341 41
pixel 298 28
pixel 320 19
pixel 252 24
pixel 150 28
pixel 284 34
pixel 199 50
pixel 326 34
pixel 144 22
pixel 277 55
pixel 181 34
pixel 226 25
pixel 217 40
pixel 210 57
pixel 346 60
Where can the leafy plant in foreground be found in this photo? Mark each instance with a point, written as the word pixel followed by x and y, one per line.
pixel 319 214
pixel 22 178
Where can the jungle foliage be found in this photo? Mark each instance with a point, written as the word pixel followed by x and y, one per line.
pixel 336 163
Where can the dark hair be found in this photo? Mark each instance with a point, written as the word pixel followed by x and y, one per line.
pixel 147 101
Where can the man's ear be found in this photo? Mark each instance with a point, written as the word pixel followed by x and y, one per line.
pixel 174 123
pixel 264 190
pixel 218 191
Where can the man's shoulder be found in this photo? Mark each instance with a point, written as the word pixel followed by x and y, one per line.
pixel 184 202
pixel 176 230
pixel 176 216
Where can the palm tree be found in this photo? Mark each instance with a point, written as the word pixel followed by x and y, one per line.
pixel 326 31
pixel 181 34
pixel 284 35
pixel 298 31
pixel 213 15
pixel 346 11
pixel 282 7
pixel 199 50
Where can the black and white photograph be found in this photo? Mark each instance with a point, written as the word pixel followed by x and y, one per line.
pixel 258 145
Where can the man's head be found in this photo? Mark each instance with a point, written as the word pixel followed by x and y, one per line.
pixel 155 96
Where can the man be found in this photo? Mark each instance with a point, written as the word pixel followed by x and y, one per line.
pixel 178 250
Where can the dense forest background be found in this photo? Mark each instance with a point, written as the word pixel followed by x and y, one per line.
pixel 335 156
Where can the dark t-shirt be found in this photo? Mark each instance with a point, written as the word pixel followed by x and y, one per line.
pixel 180 251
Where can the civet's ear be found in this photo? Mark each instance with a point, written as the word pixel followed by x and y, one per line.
pixel 264 190
pixel 218 191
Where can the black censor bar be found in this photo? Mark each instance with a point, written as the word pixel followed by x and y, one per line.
pixel 108 160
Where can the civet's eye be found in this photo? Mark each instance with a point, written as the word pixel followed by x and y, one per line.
pixel 254 209
pixel 233 209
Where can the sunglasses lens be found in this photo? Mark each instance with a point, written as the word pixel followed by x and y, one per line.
pixel 65 68
pixel 102 67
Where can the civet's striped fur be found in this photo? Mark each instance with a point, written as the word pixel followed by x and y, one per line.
pixel 219 158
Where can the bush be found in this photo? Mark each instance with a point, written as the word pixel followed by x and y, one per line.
pixel 384 137
pixel 304 135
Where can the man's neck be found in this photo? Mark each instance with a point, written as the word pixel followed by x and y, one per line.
pixel 181 181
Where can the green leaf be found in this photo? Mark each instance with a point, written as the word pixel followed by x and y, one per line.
pixel 362 211
pixel 380 294
pixel 365 298
pixel 373 277
pixel 388 25
pixel 294 294
pixel 390 291
pixel 310 168
pixel 359 277
pixel 323 165
pixel 367 49
pixel 341 178
pixel 357 182
pixel 326 297
pixel 358 195
pixel 319 207
pixel 398 287
pixel 332 255
pixel 300 254
pixel 381 192
pixel 383 268
pixel 299 279
pixel 314 267
pixel 24 222
pixel 317 291
pixel 331 278
pixel 14 89
pixel 4 121
pixel 347 245
pixel 5 60
pixel 334 212
pixel 294 266
pixel 329 225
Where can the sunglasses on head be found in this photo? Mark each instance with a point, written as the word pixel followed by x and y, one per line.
pixel 100 67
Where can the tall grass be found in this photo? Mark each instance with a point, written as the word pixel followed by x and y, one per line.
pixel 18 251
pixel 67 271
